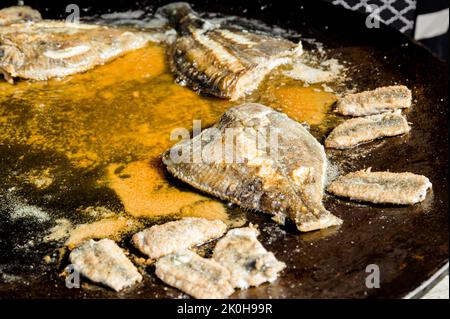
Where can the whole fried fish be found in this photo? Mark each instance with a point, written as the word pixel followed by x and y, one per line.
pixel 259 159
pixel 219 60
pixel 18 14
pixel 48 49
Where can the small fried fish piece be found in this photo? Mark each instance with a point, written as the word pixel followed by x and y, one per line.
pixel 377 101
pixel 196 276
pixel 382 187
pixel 104 262
pixel 48 49
pixel 249 263
pixel 161 240
pixel 366 129
pixel 18 14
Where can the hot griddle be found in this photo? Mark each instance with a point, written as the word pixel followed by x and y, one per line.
pixel 409 244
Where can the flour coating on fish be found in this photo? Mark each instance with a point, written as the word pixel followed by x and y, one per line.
pixel 197 276
pixel 380 100
pixel 356 131
pixel 161 240
pixel 104 262
pixel 249 263
pixel 382 187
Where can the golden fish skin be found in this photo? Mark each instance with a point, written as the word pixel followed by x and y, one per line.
pixel 222 61
pixel 284 178
pixel 49 49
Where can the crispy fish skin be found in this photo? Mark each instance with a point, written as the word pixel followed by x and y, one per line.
pixel 249 263
pixel 104 262
pixel 377 101
pixel 381 187
pixel 284 178
pixel 18 14
pixel 360 130
pixel 161 240
pixel 224 62
pixel 198 277
pixel 49 49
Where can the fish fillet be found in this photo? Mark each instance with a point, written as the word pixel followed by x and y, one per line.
pixel 161 240
pixel 196 276
pixel 222 61
pixel 382 187
pixel 18 14
pixel 380 100
pixel 366 129
pixel 249 263
pixel 261 160
pixel 104 262
pixel 49 49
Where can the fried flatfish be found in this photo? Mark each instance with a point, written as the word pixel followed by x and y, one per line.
pixel 220 60
pixel 104 262
pixel 249 263
pixel 380 100
pixel 48 49
pixel 366 129
pixel 18 14
pixel 381 187
pixel 261 160
pixel 197 276
pixel 161 240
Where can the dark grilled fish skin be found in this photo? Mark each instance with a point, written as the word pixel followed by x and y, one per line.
pixel 356 131
pixel 18 14
pixel 382 187
pixel 222 61
pixel 48 49
pixel 284 178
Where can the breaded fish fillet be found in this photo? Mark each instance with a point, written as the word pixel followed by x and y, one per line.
pixel 366 129
pixel 377 101
pixel 199 277
pixel 219 60
pixel 104 262
pixel 249 263
pixel 161 240
pixel 381 187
